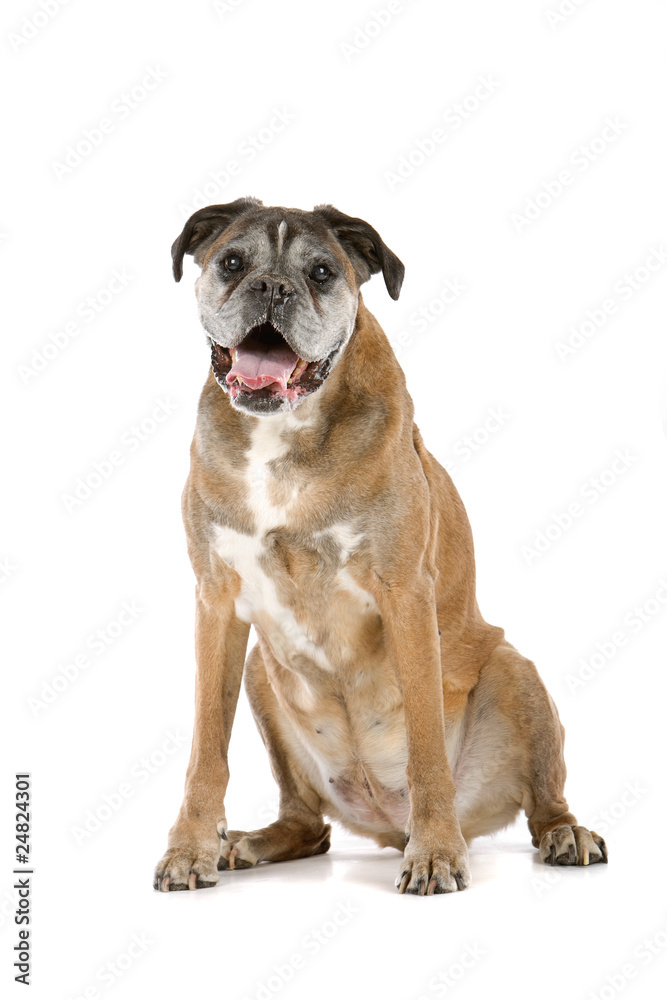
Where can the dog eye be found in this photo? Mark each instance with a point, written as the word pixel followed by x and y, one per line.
pixel 320 273
pixel 233 262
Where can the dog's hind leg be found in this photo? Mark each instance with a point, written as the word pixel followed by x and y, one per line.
pixel 554 829
pixel 300 830
pixel 514 720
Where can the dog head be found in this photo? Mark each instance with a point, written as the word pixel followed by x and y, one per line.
pixel 278 294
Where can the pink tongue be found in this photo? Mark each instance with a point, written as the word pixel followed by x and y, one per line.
pixel 258 366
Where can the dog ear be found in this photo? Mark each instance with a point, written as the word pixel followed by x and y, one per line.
pixel 203 228
pixel 365 248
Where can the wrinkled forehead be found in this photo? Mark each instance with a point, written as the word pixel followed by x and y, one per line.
pixel 288 237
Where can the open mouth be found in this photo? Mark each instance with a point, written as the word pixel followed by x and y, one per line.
pixel 264 367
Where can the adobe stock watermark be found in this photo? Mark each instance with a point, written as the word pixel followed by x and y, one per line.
pixel 551 877
pixel 311 944
pixel 634 621
pixel 469 444
pixel 116 968
pixel 268 811
pixel 247 151
pixel 606 819
pixel 94 645
pixel 224 7
pixel 448 979
pixel 85 312
pixel 7 907
pixel 375 23
pixel 32 24
pixel 430 312
pixel 653 946
pixel 562 12
pixel 130 441
pixel 121 108
pixel 624 289
pixel 7 569
pixel 579 161
pixel 452 120
pixel 590 493
pixel 138 775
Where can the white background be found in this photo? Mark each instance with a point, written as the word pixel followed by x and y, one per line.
pixel 359 100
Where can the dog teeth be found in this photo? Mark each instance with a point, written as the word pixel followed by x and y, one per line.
pixel 233 354
pixel 299 368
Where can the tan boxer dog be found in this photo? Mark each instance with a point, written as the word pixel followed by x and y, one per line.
pixel 314 512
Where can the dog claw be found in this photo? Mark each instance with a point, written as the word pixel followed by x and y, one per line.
pixel 572 846
pixel 602 848
pixel 185 868
pixel 403 881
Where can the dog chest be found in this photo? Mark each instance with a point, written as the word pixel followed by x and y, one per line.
pixel 296 583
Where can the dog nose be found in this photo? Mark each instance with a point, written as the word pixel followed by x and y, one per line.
pixel 273 288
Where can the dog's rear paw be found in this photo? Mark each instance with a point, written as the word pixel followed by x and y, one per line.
pixel 284 840
pixel 427 871
pixel 185 868
pixel 572 845
pixel 238 851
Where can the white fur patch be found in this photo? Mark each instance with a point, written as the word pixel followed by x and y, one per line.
pixel 282 233
pixel 258 601
pixel 348 539
pixel 268 443
pixel 345 582
pixel 344 535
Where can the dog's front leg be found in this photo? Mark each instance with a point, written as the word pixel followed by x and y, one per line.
pixel 191 860
pixel 436 855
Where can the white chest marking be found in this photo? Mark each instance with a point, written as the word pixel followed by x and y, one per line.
pixel 347 539
pixel 267 444
pixel 258 599
pixel 346 582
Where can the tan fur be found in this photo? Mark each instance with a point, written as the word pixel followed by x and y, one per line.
pixel 349 551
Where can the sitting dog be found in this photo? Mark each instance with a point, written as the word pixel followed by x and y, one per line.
pixel 314 512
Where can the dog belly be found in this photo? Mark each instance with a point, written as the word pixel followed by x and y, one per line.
pixel 359 792
pixel 360 770
pixel 356 759
pixel 347 737
pixel 343 709
pixel 381 810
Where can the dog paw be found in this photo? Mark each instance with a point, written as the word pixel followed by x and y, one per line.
pixel 283 840
pixel 238 851
pixel 572 845
pixel 427 871
pixel 186 868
